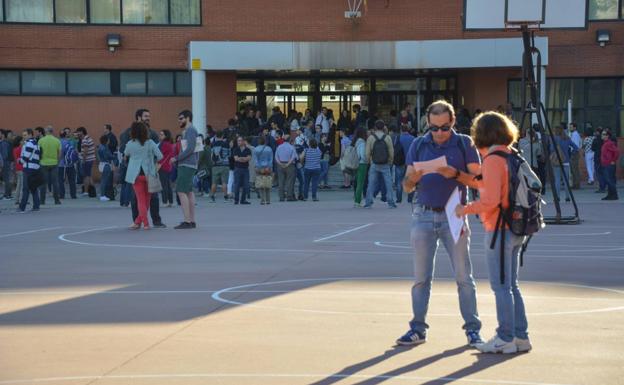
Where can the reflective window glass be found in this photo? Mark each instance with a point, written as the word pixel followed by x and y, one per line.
pixel 132 83
pixel 71 11
pixel 83 83
pixel 29 11
pixel 43 82
pixel 105 11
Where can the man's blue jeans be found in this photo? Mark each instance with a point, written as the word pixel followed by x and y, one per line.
pixel 510 312
pixel 126 195
pixel 610 179
pixel 300 181
pixel 324 172
pixel 379 171
pixel 67 174
pixel 428 229
pixel 241 181
pixel 399 174
pixel 559 179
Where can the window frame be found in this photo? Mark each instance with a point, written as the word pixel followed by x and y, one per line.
pixel 115 84
pixel 617 108
pixel 89 19
pixel 620 15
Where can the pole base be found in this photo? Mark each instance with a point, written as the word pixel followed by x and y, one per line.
pixel 571 220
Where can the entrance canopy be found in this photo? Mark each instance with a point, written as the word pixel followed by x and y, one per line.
pixel 372 55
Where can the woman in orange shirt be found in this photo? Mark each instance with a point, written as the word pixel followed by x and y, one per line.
pixel 495 132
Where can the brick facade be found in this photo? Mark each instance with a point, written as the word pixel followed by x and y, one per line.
pixel 572 53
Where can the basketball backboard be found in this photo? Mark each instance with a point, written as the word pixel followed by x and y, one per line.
pixel 510 14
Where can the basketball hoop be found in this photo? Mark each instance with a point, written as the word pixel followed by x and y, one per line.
pixel 354 7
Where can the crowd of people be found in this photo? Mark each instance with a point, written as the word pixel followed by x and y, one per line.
pixel 292 153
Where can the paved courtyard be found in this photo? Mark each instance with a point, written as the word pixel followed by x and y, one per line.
pixel 291 293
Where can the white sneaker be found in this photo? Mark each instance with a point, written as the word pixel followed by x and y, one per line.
pixel 496 345
pixel 104 199
pixel 523 345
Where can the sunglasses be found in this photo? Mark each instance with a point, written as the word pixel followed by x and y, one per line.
pixel 181 118
pixel 443 128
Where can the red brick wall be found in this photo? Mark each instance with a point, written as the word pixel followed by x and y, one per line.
pixel 36 46
pixel 572 53
pixel 20 112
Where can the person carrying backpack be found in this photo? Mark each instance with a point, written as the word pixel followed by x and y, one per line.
pixel 67 166
pixel 509 208
pixel 380 154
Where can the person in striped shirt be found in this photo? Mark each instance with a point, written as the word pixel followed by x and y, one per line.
pixel 311 158
pixel 87 151
pixel 29 158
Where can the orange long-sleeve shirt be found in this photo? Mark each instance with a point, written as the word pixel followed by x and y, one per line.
pixel 493 189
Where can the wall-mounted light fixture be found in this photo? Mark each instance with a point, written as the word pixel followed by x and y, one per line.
pixel 113 41
pixel 603 37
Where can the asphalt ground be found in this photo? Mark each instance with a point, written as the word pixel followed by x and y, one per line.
pixel 291 293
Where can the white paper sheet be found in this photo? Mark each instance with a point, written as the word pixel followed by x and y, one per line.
pixel 430 166
pixel 456 224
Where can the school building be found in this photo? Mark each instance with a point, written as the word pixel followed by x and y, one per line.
pixel 92 62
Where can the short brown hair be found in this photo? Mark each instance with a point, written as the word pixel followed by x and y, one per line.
pixel 493 128
pixel 440 107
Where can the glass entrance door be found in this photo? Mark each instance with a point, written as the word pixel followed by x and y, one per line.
pixel 288 102
pixel 338 102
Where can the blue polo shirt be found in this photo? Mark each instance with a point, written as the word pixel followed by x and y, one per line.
pixel 434 190
pixel 406 141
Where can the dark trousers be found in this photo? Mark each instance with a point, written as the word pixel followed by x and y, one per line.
pixel 241 181
pixel 67 174
pixel 50 176
pixel 154 208
pixel 126 194
pixel 602 180
pixel 165 181
pixel 6 177
pixel 610 179
pixel 106 183
pixel 313 177
pixel 26 191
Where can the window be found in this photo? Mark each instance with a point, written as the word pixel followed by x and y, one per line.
pixel 401 85
pixel 160 83
pixel 145 12
pixel 183 83
pixel 558 91
pixel 38 11
pixel 43 82
pixel 1 13
pixel 601 92
pixel 71 11
pixel 246 86
pixel 345 85
pixel 85 83
pixel 287 85
pixel 132 83
pixel 9 83
pixel 185 11
pixel 105 11
pixel 603 9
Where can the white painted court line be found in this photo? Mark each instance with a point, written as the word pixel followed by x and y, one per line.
pixel 172 376
pixel 30 232
pixel 218 296
pixel 343 232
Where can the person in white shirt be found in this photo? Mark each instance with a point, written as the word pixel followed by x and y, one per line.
pixel 575 164
pixel 323 121
pixel 589 157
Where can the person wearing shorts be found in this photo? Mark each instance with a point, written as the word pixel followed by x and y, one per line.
pixel 186 161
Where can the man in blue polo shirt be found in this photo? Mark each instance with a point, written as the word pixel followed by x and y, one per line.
pixel 430 224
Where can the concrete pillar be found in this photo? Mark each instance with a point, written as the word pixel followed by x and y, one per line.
pixel 198 89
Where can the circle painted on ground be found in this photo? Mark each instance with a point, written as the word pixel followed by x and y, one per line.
pixel 219 296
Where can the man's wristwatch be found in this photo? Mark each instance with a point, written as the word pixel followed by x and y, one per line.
pixel 457 174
